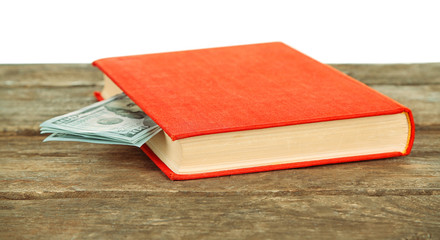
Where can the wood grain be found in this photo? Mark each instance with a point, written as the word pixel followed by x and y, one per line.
pixel 70 169
pixel 393 74
pixel 225 216
pixel 85 75
pixel 49 75
pixel 68 190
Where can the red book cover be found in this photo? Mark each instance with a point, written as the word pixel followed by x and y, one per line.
pixel 217 90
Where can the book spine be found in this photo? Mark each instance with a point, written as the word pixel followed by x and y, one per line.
pixel 412 131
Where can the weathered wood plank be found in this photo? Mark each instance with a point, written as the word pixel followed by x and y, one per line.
pixel 35 170
pixel 393 74
pixel 31 94
pixel 238 216
pixel 49 75
pixel 27 75
pixel 23 109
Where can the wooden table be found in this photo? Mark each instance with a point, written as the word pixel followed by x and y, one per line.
pixel 65 190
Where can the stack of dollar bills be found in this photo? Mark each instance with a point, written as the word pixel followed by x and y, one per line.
pixel 116 120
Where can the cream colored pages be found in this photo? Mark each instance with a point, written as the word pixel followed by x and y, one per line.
pixel 110 89
pixel 279 145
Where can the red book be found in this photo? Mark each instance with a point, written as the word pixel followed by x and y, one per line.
pixel 258 107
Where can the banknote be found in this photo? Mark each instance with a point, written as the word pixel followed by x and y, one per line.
pixel 65 137
pixel 117 120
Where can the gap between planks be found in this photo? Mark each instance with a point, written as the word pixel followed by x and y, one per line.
pixel 172 194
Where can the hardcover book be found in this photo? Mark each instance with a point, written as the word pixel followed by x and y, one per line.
pixel 251 108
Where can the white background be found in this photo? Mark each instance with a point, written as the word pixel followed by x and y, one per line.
pixel 330 31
